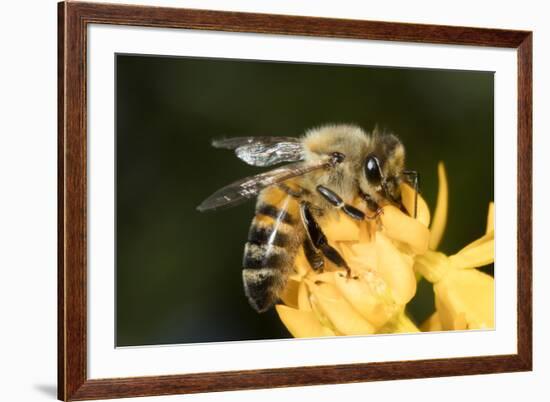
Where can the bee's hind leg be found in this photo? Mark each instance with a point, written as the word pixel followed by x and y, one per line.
pixel 318 240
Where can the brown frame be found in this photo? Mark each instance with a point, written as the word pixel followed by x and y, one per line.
pixel 73 19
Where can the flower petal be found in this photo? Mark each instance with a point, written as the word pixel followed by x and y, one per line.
pixel 477 242
pixel 302 324
pixel 366 231
pixel 340 227
pixel 465 300
pixel 369 296
pixel 396 269
pixel 440 215
pixel 363 256
pixel 403 228
pixel 303 297
pixel 301 265
pixel 400 324
pixel 338 311
pixel 433 323
pixel 289 295
pixel 408 195
pixel 490 218
pixel 483 253
pixel 432 265
pixel 346 251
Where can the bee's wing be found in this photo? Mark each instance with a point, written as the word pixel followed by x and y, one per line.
pixel 250 187
pixel 235 142
pixel 264 151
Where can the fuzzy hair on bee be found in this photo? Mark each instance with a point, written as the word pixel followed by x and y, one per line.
pixel 348 178
pixel 331 166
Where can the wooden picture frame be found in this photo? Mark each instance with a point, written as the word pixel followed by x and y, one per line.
pixel 73 381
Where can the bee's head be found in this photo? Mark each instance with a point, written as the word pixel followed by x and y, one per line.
pixel 382 167
pixel 374 161
pixel 344 144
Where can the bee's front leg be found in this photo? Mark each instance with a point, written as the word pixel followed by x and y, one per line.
pixel 318 240
pixel 413 178
pixel 373 206
pixel 337 201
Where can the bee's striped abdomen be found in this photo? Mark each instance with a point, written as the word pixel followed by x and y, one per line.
pixel 271 247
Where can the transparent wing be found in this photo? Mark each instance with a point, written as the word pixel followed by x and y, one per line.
pixel 264 151
pixel 235 142
pixel 249 187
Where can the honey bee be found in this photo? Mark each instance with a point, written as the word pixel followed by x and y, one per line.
pixel 330 167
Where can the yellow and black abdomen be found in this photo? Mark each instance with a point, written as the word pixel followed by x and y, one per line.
pixel 273 240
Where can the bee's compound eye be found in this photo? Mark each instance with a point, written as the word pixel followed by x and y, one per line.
pixel 372 170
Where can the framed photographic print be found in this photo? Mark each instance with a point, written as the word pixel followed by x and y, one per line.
pixel 254 201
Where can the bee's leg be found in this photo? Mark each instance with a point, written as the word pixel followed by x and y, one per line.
pixel 372 205
pixel 319 240
pixel 313 255
pixel 414 179
pixel 337 201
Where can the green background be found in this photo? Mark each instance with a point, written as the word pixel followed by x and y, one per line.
pixel 179 271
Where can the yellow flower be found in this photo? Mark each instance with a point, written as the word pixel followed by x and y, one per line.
pixel 381 256
pixel 385 257
pixel 464 296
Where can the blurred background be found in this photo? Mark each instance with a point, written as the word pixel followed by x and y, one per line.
pixel 178 271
